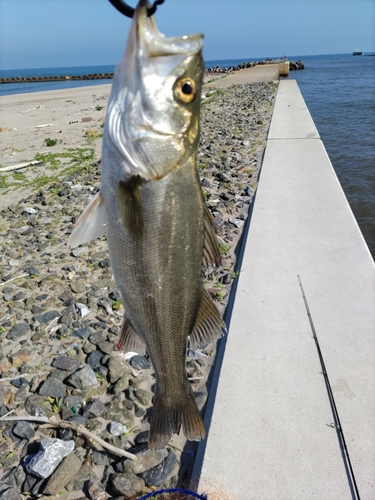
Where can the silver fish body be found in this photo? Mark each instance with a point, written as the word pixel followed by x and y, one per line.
pixel 159 231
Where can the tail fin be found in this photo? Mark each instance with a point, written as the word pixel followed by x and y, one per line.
pixel 167 418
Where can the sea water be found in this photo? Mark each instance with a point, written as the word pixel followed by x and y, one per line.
pixel 339 91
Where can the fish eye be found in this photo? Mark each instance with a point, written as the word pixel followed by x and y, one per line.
pixel 185 90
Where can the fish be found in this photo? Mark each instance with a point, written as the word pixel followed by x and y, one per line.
pixel 160 233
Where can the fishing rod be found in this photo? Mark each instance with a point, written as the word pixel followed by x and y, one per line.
pixel 336 424
pixel 128 11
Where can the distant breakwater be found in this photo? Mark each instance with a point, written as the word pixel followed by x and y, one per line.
pixel 31 79
pixel 293 66
pixel 109 76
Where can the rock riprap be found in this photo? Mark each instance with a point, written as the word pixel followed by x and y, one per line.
pixel 61 313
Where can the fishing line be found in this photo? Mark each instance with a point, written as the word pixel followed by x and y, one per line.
pixel 336 424
pixel 128 11
pixel 174 490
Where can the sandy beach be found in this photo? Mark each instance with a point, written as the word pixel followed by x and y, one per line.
pixel 73 118
pixel 60 308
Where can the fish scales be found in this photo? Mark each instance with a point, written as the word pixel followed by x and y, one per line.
pixel 151 206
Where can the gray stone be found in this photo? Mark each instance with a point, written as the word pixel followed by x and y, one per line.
pixel 82 378
pixel 148 460
pixel 63 474
pixel 23 430
pixel 66 363
pixel 142 437
pixel 58 374
pixel 77 287
pixel 35 405
pixel 19 296
pixel 127 484
pixel 159 474
pixel 33 485
pixel 50 455
pixel 53 388
pixel 100 458
pixel 77 420
pixel 82 333
pixel 117 367
pixel 226 279
pixel 93 409
pixel 10 494
pixel 143 397
pixel 47 317
pixel 73 401
pixel 94 359
pixel 140 362
pixel 121 384
pixel 20 383
pixel 96 490
pixel 18 331
pixel 97 337
pixel 77 252
pixel 236 222
pixel 14 478
pixel 85 473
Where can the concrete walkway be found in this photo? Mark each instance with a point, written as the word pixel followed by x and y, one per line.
pixel 271 432
pixel 257 74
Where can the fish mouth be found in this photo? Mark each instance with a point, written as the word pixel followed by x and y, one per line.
pixel 152 43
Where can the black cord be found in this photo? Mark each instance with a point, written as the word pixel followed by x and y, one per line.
pixel 128 11
pixel 336 424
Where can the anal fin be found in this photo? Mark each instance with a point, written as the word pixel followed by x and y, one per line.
pixel 211 250
pixel 129 340
pixel 208 325
pixel 91 224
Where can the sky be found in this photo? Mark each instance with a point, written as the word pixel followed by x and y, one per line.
pixel 60 33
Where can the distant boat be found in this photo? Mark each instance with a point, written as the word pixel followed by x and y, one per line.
pixel 357 53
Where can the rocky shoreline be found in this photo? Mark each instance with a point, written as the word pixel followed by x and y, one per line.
pixel 60 315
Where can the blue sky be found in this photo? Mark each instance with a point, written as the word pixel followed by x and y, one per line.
pixel 57 33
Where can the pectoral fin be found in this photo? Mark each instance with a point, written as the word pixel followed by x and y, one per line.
pixel 211 250
pixel 129 340
pixel 91 224
pixel 208 324
pixel 130 206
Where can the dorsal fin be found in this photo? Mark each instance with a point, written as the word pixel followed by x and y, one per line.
pixel 208 325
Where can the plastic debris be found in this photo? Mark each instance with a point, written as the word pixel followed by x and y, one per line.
pixel 45 125
pixel 51 453
pixel 82 309
pixel 29 210
pixel 128 355
pixel 196 354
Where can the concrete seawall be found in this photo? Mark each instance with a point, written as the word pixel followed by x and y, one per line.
pixel 273 429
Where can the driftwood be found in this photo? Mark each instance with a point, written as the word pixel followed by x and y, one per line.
pixel 15 278
pixel 13 378
pixel 19 166
pixel 55 422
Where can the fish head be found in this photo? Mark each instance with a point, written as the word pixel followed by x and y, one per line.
pixel 153 110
